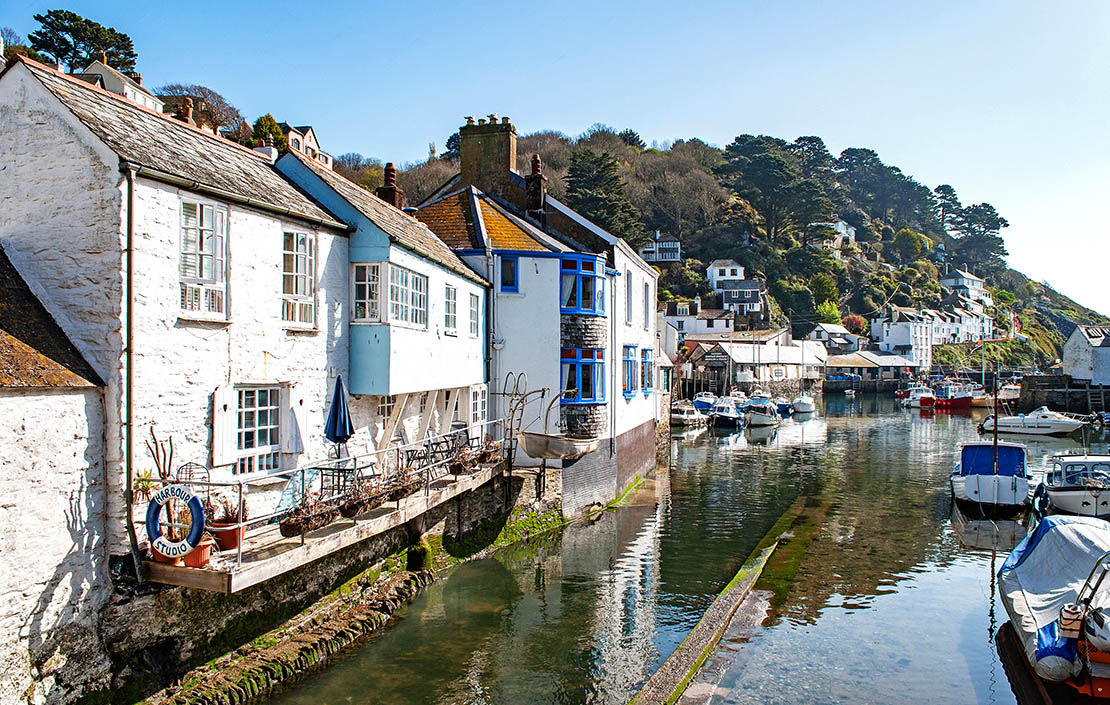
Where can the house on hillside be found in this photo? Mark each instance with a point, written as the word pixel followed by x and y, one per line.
pixel 662 248
pixel 128 85
pixel 303 139
pixel 573 308
pixel 836 338
pixel 1086 354
pixel 720 271
pixel 840 233
pixel 966 284
pixel 745 297
pixel 688 317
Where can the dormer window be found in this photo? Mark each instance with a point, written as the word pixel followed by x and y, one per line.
pixel 296 143
pixel 684 309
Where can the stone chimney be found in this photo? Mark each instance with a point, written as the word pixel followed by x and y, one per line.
pixel 184 111
pixel 389 192
pixel 136 77
pixel 535 186
pixel 487 152
pixel 268 149
pixel 697 305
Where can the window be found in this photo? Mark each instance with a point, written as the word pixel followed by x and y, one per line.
pixel 478 410
pixel 720 272
pixel 581 288
pixel 509 280
pixel 647 369
pixel 733 272
pixel 385 406
pixel 681 325
pixel 450 295
pixel 296 143
pixel 630 362
pixel 647 306
pixel 684 309
pixel 258 427
pixel 474 308
pixel 204 259
pixel 298 279
pixel 627 296
pixel 408 297
pixel 366 294
pixel 583 371
pixel 709 323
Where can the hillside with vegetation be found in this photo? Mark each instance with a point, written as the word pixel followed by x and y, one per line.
pixel 763 201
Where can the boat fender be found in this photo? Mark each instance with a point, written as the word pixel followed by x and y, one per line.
pixel 1071 619
pixel 1056 656
pixel 158 540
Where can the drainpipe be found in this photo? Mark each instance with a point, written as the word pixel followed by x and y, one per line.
pixel 613 361
pixel 129 340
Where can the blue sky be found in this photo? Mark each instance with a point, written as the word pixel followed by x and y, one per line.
pixel 1006 101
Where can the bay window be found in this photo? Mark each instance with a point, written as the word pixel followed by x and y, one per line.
pixel 408 297
pixel 365 294
pixel 583 375
pixel 203 272
pixel 582 287
pixel 298 279
pixel 647 369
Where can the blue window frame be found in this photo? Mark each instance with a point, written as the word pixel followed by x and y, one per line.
pixel 582 286
pixel 630 363
pixel 583 371
pixel 647 369
pixel 510 276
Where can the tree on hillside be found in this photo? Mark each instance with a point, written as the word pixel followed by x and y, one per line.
pixel 14 44
pixel 856 323
pixel 908 245
pixel 212 106
pixel 267 125
pixel 827 312
pixel 74 40
pixel 814 159
pixel 979 219
pixel 763 172
pixel 824 288
pixel 367 173
pixel 810 206
pixel 948 206
pixel 10 37
pixel 594 188
pixel 632 138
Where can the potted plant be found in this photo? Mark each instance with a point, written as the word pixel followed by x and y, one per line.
pixel 489 452
pixel 199 556
pixel 404 483
pixel 226 515
pixel 463 462
pixel 365 496
pixel 309 515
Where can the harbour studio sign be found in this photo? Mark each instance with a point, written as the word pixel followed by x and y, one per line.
pixel 718 358
pixel 161 542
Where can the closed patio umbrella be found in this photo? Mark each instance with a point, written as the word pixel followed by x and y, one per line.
pixel 339 427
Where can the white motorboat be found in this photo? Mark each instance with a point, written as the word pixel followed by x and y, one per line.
pixel 555 447
pixel 783 406
pixel 726 413
pixel 1009 392
pixel 804 404
pixel 919 397
pixel 761 412
pixel 850 393
pixel 1054 590
pixel 1040 422
pixel 704 401
pixel 684 414
pixel 991 479
pixel 1078 484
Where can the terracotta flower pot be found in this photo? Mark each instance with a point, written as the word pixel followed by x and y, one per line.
pixel 160 557
pixel 199 556
pixel 228 540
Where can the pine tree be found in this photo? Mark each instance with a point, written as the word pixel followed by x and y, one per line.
pixel 75 41
pixel 594 188
pixel 266 125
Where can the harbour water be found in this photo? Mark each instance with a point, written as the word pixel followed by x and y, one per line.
pixel 887 605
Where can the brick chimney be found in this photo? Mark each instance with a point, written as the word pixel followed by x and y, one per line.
pixel 102 57
pixel 184 111
pixel 487 152
pixel 389 192
pixel 535 187
pixel 267 149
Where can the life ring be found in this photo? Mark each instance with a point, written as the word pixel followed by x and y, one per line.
pixel 174 549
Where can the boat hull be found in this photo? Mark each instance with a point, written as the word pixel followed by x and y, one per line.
pixel 1033 428
pixel 993 495
pixel 957 403
pixel 726 421
pixel 1080 501
pixel 804 406
pixel 546 446
pixel 758 418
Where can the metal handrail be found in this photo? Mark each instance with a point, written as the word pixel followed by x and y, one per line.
pixel 376 458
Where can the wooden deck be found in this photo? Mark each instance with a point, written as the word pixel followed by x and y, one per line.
pixel 266 553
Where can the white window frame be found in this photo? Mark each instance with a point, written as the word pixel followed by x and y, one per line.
pixel 366 292
pixel 479 399
pixel 253 458
pixel 204 297
pixel 408 297
pixel 628 296
pixel 475 315
pixel 298 279
pixel 647 305
pixel 451 309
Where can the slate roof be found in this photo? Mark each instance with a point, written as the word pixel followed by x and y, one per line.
pixel 1097 336
pixel 401 228
pixel 155 141
pixel 850 360
pixel 34 351
pixel 714 314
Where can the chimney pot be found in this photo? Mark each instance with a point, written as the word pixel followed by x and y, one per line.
pixel 389 192
pixel 102 57
pixel 268 140
pixel 390 174
pixel 537 165
pixel 469 119
pixel 504 121
pixel 481 121
pixel 492 118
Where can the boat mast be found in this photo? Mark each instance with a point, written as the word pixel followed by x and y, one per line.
pixel 995 434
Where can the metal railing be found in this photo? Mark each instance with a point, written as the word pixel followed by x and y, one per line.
pixel 336 477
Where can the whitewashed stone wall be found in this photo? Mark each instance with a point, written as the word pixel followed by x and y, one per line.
pixel 630 413
pixel 56 578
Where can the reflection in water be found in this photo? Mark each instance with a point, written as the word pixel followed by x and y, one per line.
pixel 886 607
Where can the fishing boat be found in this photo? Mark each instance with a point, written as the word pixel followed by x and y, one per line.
pixel 1039 422
pixel 761 412
pixel 991 478
pixel 726 413
pixel 703 401
pixel 919 397
pixel 953 395
pixel 1054 589
pixel 684 414
pixel 1009 392
pixel 1077 484
pixel 783 406
pixel 804 404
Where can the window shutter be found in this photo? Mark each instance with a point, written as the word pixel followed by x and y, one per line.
pixel 294 425
pixel 225 425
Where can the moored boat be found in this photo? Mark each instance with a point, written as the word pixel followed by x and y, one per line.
pixel 783 406
pixel 684 414
pixel 1039 422
pixel 953 396
pixel 726 413
pixel 761 412
pixel 918 397
pixel 804 404
pixel 1009 392
pixel 1053 588
pixel 703 401
pixel 1078 484
pixel 991 479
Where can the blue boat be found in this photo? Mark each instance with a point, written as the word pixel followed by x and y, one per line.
pixel 704 401
pixel 726 413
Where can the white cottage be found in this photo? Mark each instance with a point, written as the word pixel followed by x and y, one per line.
pixel 573 309
pixel 1087 354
